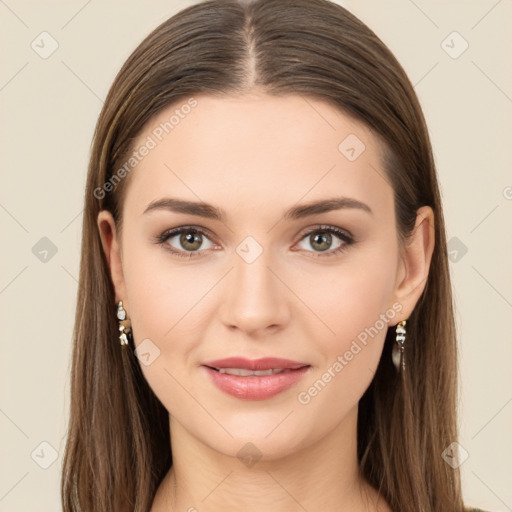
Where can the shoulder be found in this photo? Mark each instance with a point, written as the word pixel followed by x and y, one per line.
pixel 471 509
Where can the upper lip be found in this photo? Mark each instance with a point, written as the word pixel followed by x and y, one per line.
pixel 265 363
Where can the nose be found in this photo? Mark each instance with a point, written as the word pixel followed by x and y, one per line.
pixel 255 299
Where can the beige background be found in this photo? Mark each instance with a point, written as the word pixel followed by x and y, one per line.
pixel 48 109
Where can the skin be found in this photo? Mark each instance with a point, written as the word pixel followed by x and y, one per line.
pixel 255 156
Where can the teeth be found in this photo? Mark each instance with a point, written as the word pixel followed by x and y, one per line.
pixel 242 372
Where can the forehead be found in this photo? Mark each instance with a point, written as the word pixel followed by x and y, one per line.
pixel 256 150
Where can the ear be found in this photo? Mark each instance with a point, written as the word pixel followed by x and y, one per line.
pixel 111 248
pixel 415 262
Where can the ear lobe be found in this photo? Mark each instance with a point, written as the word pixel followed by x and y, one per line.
pixel 111 249
pixel 416 259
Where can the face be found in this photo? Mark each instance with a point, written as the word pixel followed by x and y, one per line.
pixel 265 277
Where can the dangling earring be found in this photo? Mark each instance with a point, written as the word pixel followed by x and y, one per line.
pixel 398 354
pixel 124 324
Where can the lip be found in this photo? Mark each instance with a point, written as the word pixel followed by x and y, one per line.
pixel 255 387
pixel 264 363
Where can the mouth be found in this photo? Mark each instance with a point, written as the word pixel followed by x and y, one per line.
pixel 261 364
pixel 247 384
pixel 244 372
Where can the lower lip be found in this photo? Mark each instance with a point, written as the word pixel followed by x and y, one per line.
pixel 255 387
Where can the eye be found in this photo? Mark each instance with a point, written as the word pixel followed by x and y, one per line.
pixel 189 241
pixel 185 241
pixel 322 238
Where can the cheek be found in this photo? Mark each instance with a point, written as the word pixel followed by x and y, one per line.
pixel 356 309
pixel 163 308
pixel 352 297
pixel 360 301
pixel 159 292
pixel 353 303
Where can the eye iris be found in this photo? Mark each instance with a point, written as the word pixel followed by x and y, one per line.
pixel 324 237
pixel 189 238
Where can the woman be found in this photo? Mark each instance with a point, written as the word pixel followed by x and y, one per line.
pixel 265 314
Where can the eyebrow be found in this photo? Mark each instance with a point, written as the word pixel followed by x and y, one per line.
pixel 296 212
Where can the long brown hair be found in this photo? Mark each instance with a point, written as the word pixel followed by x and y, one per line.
pixel 118 447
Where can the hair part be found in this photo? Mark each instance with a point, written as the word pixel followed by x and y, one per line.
pixel 116 453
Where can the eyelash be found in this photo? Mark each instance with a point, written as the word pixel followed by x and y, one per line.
pixel 166 235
